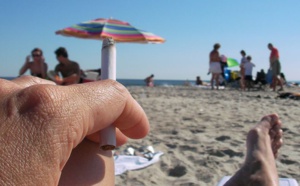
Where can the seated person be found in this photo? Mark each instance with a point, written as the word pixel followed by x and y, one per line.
pixel 282 78
pixel 260 77
pixel 70 70
pixel 199 81
pixel 37 67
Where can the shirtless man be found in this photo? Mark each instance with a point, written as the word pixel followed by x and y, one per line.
pixel 37 67
pixel 70 70
pixel 215 66
pixel 263 143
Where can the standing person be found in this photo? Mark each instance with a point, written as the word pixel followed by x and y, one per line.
pixel 214 66
pixel 38 67
pixel 248 66
pixel 276 67
pixel 242 69
pixel 70 70
pixel 149 81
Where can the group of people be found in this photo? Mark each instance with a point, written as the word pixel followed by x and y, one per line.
pixel 217 64
pixel 47 139
pixel 69 70
pixel 246 67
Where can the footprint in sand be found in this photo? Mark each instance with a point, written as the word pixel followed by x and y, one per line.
pixel 222 153
pixel 197 131
pixel 177 171
pixel 222 138
pixel 288 162
pixel 172 146
pixel 187 148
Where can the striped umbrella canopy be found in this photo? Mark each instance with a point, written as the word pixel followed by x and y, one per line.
pixel 110 31
pixel 119 31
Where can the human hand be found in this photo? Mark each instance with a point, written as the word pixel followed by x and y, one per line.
pixel 42 123
pixel 58 80
pixel 27 59
pixel 42 59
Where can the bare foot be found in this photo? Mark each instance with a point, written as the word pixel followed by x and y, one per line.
pixel 263 142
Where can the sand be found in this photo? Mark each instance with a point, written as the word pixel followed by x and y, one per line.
pixel 202 133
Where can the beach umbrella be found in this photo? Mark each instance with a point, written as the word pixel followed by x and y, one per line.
pixel 110 31
pixel 232 62
pixel 119 31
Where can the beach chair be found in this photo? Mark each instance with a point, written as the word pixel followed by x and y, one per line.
pixel 260 81
pixel 90 76
pixel 282 181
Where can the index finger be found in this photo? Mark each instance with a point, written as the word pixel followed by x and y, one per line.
pixel 100 104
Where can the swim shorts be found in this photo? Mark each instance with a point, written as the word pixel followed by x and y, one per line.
pixel 276 67
pixel 215 67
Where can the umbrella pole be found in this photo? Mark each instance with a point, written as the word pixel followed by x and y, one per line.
pixel 108 71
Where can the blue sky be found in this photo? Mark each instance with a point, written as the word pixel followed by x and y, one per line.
pixel 190 28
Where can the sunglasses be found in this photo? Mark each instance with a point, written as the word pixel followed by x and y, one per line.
pixel 36 55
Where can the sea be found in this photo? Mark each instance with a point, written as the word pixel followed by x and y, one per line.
pixel 140 82
pixel 157 82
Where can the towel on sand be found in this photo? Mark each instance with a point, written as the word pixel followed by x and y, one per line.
pixel 125 162
pixel 282 181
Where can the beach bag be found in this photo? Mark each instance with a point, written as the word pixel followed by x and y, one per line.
pixel 227 74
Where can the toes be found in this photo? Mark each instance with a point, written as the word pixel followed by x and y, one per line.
pixel 276 144
pixel 270 122
pixel 272 134
pixel 275 122
pixel 279 134
pixel 275 133
pixel 272 118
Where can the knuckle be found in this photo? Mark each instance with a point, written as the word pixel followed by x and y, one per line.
pixel 117 87
pixel 37 100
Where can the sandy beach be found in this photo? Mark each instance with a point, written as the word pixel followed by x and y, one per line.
pixel 202 133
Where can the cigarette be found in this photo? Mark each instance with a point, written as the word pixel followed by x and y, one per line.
pixel 108 71
pixel 108 138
